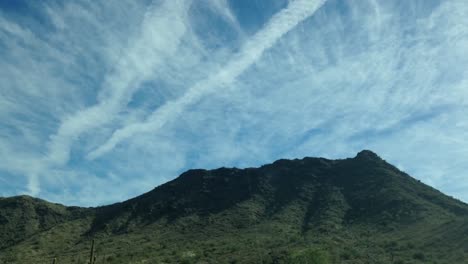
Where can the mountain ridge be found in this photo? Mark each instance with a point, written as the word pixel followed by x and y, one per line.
pixel 308 202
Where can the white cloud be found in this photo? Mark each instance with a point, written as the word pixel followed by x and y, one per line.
pixel 134 64
pixel 384 75
pixel 252 50
pixel 138 63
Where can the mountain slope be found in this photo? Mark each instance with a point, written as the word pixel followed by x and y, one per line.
pixel 24 216
pixel 354 210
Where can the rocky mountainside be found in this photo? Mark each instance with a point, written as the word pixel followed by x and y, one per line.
pixel 356 210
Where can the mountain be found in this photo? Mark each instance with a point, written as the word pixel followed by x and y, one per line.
pixel 310 210
pixel 23 216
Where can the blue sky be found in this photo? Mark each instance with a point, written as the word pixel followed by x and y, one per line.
pixel 104 100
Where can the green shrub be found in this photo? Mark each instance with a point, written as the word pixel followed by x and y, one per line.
pixel 419 256
pixel 310 256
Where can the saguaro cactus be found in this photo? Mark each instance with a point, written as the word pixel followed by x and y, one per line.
pixel 92 258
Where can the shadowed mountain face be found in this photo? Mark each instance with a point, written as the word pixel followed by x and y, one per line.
pixel 352 210
pixel 23 216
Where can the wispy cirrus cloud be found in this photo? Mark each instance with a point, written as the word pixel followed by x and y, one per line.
pixel 137 63
pixel 80 75
pixel 251 51
pixel 153 89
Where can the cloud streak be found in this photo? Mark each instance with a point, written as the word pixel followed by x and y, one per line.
pixel 280 24
pixel 138 63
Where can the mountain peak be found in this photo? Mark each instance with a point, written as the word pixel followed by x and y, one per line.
pixel 367 154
